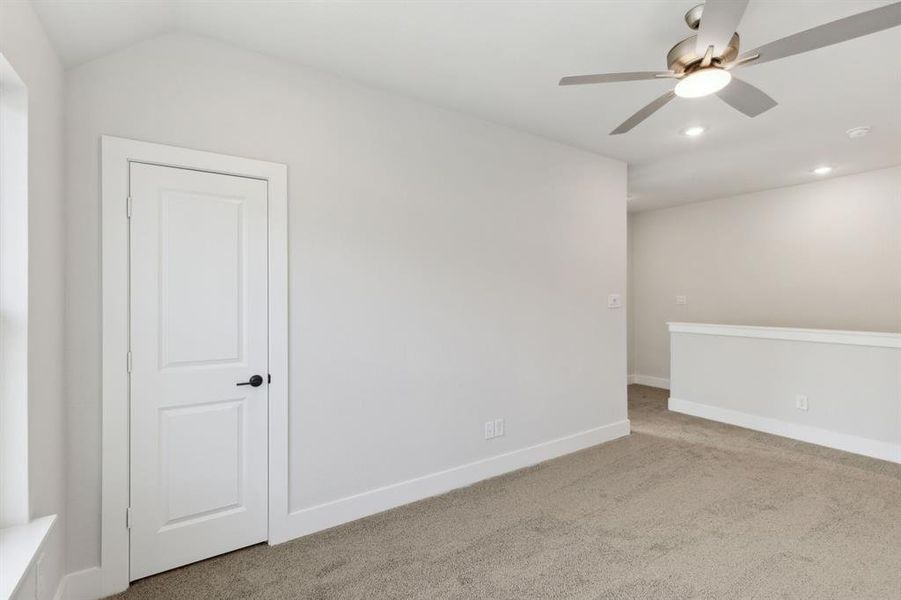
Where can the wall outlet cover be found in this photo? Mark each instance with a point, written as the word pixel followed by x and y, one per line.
pixel 801 402
pixel 681 300
pixel 498 427
pixel 489 430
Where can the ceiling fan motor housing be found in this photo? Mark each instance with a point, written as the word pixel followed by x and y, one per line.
pixel 682 59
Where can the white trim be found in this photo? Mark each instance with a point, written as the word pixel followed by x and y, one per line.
pixel 829 336
pixel 117 153
pixel 61 589
pixel 330 514
pixel 80 585
pixel 805 433
pixel 20 546
pixel 649 380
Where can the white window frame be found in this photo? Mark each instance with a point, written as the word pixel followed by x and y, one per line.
pixel 14 290
pixel 117 154
pixel 22 537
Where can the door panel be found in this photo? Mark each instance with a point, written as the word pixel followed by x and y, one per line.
pixel 198 231
pixel 198 271
pixel 209 479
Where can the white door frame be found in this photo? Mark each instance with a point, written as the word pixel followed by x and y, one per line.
pixel 117 154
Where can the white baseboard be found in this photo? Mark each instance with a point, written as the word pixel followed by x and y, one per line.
pixel 351 508
pixel 657 382
pixel 80 585
pixel 805 433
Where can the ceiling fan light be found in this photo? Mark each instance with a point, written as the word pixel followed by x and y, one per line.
pixel 703 82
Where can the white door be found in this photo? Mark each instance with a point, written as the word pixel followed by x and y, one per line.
pixel 198 329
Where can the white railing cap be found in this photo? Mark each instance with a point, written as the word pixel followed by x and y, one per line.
pixel 877 339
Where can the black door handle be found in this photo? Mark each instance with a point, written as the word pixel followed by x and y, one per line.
pixel 254 381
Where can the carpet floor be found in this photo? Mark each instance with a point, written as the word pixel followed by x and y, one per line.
pixel 682 508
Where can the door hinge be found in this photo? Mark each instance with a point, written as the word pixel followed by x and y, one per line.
pixel 128 204
pixel 128 361
pixel 128 518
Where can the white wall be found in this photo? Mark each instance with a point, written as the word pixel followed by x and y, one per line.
pixel 26 47
pixel 444 270
pixel 821 255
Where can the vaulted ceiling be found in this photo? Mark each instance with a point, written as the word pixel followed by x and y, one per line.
pixel 501 60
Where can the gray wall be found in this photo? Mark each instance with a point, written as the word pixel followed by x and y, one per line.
pixel 443 270
pixel 822 255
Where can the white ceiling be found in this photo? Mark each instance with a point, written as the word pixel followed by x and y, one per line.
pixel 501 60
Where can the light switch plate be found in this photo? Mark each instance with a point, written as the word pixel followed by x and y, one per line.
pixel 614 301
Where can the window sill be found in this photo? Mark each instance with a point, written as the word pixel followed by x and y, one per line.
pixel 20 547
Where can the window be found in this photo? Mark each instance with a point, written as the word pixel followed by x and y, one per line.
pixel 13 298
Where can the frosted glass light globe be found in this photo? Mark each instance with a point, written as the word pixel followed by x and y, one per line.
pixel 703 82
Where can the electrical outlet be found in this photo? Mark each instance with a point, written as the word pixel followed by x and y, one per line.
pixel 614 301
pixel 681 300
pixel 489 430
pixel 801 402
pixel 498 427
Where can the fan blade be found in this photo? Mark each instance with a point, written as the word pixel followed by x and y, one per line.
pixel 644 113
pixel 719 21
pixel 834 32
pixel 745 98
pixel 613 77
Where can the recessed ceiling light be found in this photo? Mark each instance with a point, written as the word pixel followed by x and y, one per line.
pixel 822 170
pixel 856 132
pixel 694 131
pixel 703 82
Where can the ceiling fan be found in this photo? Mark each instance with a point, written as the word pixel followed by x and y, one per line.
pixel 702 63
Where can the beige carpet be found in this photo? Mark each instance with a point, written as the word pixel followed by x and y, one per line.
pixel 682 508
